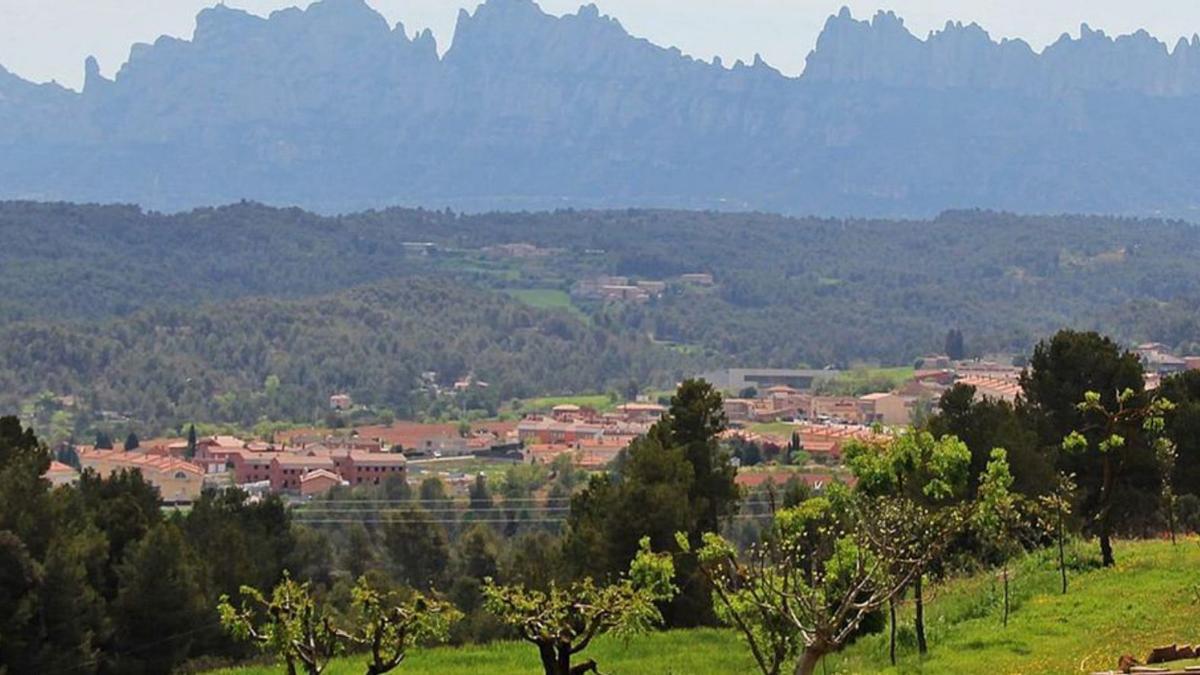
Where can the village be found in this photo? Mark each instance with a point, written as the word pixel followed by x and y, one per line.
pixel 797 433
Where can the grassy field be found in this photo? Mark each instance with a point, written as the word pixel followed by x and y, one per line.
pixel 684 652
pixel 599 402
pixel 547 298
pixel 782 429
pixel 859 381
pixel 1146 601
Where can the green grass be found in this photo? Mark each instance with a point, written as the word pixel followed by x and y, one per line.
pixel 859 381
pixel 547 298
pixel 1144 602
pixel 599 402
pixel 783 429
pixel 690 652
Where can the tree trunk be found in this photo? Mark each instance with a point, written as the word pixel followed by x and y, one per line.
pixel 1062 553
pixel 919 604
pixel 892 644
pixel 1171 518
pixel 809 660
pixel 564 659
pixel 1106 488
pixel 1006 595
pixel 1106 551
pixel 549 659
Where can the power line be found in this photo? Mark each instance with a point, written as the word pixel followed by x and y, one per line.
pixel 373 519
pixel 389 521
pixel 757 499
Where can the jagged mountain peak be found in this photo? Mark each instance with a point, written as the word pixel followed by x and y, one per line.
pixel 887 19
pixel 222 20
pixel 93 81
pixel 330 107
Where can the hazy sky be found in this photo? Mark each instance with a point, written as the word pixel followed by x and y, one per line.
pixel 49 39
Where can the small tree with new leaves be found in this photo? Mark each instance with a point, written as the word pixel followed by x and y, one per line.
pixel 1165 454
pixel 390 624
pixel 826 565
pixel 1108 431
pixel 563 620
pixel 288 625
pixel 997 516
pixel 292 627
pixel 932 474
pixel 1058 504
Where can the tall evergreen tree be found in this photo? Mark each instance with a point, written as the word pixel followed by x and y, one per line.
pixel 160 602
pixel 955 346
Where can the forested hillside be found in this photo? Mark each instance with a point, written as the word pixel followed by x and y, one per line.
pixel 787 291
pixel 248 360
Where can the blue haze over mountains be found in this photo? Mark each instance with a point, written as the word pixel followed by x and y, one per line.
pixel 332 109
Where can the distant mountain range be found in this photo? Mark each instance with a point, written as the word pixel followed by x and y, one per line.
pixel 332 109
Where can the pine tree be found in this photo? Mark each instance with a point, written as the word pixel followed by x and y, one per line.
pixel 191 441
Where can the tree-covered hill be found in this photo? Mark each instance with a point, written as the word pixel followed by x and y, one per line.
pixel 249 359
pixel 788 290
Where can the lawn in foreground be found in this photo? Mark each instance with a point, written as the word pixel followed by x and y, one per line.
pixel 1147 600
pixel 682 652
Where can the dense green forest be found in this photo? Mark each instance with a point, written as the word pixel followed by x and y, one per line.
pixel 252 359
pixel 246 311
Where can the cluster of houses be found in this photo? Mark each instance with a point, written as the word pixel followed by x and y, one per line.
pixel 791 395
pixel 624 289
pixel 300 463
pixel 1160 361
pixel 310 462
pixel 590 438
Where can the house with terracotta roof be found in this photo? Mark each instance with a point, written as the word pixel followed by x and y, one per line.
pixel 318 482
pixel 993 387
pixel 178 481
pixel 835 408
pixel 641 413
pixel 535 429
pixel 288 468
pixel 369 468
